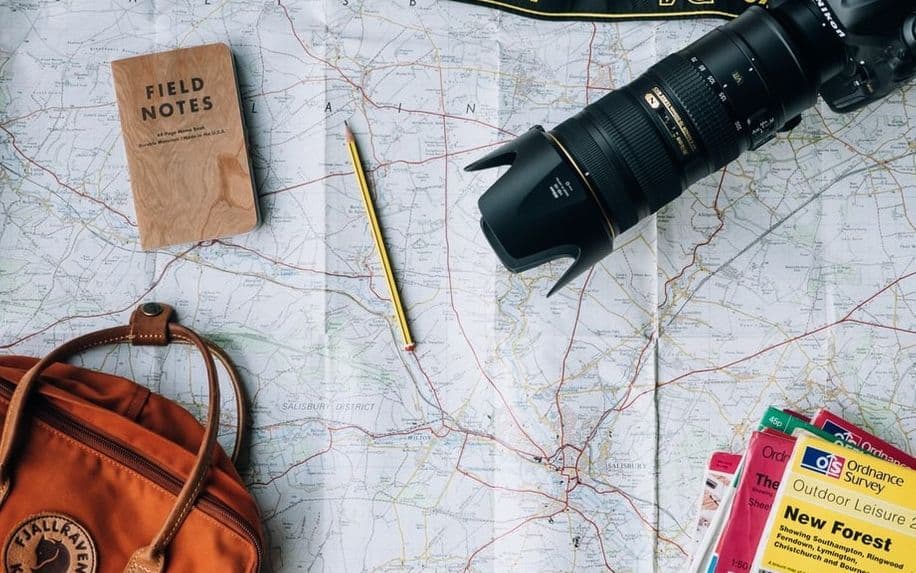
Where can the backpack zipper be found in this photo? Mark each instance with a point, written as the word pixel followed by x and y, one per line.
pixel 115 450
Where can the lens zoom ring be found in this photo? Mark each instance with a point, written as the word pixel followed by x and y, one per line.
pixel 641 148
pixel 706 113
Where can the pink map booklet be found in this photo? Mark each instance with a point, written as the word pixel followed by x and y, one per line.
pixel 765 461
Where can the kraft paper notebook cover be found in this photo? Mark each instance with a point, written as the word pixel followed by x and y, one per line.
pixel 184 136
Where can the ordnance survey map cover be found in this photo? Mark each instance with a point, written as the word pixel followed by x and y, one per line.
pixel 524 434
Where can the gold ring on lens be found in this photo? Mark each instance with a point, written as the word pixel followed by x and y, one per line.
pixel 588 185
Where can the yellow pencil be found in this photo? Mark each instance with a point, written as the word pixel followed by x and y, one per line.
pixel 409 344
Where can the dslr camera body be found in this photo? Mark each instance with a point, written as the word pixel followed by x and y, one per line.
pixel 879 38
pixel 571 190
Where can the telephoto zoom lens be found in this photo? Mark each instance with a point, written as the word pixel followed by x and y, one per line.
pixel 570 191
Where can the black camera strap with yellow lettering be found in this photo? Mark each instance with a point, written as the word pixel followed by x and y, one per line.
pixel 621 9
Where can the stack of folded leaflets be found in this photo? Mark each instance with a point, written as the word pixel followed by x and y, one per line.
pixel 808 496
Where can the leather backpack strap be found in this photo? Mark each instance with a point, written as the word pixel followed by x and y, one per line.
pixel 150 324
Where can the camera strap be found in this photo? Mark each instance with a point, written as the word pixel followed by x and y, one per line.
pixel 621 9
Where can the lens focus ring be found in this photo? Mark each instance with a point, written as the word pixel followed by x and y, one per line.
pixel 708 116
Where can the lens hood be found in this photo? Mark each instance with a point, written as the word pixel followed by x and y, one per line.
pixel 542 208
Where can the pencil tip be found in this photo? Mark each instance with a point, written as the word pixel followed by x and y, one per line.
pixel 348 133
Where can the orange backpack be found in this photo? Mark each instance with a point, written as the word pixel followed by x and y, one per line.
pixel 100 475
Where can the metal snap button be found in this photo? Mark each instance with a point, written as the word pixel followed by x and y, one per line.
pixel 151 308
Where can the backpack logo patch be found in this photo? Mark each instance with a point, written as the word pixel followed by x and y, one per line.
pixel 50 543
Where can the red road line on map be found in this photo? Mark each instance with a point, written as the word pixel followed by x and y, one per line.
pixel 381 166
pixel 330 446
pixel 286 89
pixel 564 502
pixel 279 262
pixel 482 481
pixel 845 319
pixel 693 259
pixel 432 388
pixel 451 292
pixel 371 286
pixel 572 338
pixel 384 164
pixel 50 109
pixel 597 535
pixel 297 464
pixel 881 162
pixel 642 517
pixel 638 369
pixel 525 521
pixel 99 315
pixel 374 435
pixel 382 435
pixel 594 432
pixel 878 325
pixel 305 183
pixel 527 456
pixel 639 362
pixel 588 62
pixel 65 185
pixel 448 267
pixel 365 95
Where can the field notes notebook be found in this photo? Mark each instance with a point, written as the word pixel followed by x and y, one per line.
pixel 185 141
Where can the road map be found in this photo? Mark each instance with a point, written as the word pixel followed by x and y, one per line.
pixel 525 433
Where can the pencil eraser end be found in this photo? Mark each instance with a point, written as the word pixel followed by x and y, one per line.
pixel 410 347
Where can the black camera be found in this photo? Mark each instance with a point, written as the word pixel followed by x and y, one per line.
pixel 570 191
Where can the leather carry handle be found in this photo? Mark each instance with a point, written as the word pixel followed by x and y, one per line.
pixel 149 324
pixel 241 404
